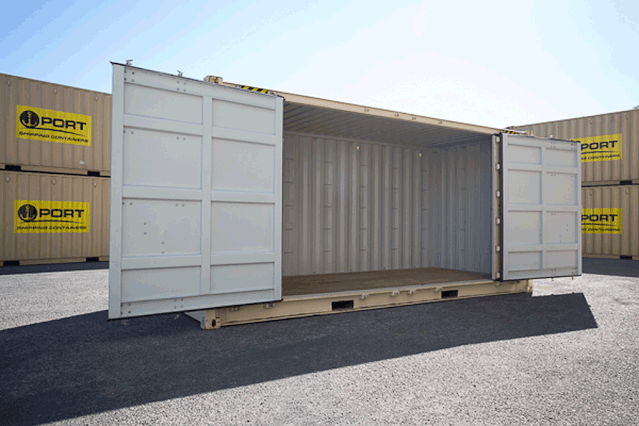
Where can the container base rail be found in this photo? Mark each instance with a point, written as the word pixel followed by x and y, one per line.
pixel 611 183
pixel 54 261
pixel 610 256
pixel 381 292
pixel 55 170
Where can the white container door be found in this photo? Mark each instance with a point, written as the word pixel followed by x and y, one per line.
pixel 195 195
pixel 541 208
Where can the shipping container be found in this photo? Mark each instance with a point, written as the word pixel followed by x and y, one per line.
pixel 610 221
pixel 609 145
pixel 242 205
pixel 47 127
pixel 50 218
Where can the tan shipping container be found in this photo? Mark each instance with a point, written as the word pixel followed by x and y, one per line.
pixel 50 218
pixel 48 127
pixel 610 145
pixel 610 221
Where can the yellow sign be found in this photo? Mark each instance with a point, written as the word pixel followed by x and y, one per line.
pixel 600 148
pixel 50 217
pixel 601 221
pixel 53 126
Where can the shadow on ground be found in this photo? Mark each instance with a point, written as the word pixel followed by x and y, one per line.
pixel 616 267
pixel 84 364
pixel 55 267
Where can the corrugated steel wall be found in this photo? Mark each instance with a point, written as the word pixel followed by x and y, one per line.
pixel 37 155
pixel 626 198
pixel 50 187
pixel 625 123
pixel 354 206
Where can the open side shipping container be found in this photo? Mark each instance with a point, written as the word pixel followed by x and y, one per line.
pixel 242 206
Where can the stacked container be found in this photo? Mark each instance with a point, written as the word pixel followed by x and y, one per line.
pixel 610 179
pixel 55 157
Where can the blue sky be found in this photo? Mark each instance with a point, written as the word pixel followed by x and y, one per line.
pixel 494 63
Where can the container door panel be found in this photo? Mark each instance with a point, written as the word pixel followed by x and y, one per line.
pixel 195 195
pixel 541 208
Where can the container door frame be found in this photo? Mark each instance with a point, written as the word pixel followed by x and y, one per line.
pixel 540 208
pixel 196 195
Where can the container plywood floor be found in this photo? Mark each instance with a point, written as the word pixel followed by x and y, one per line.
pixel 362 281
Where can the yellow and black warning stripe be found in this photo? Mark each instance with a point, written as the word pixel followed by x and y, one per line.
pixel 512 132
pixel 255 89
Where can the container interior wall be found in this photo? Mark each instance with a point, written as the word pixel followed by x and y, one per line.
pixel 355 206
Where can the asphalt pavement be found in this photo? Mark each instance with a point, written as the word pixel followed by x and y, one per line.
pixel 566 355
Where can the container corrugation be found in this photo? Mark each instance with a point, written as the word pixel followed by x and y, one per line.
pixel 354 206
pixel 610 172
pixel 46 156
pixel 605 239
pixel 59 246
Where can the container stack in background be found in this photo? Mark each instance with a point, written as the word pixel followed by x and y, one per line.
pixel 55 159
pixel 610 179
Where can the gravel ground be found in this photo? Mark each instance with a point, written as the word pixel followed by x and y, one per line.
pixel 567 355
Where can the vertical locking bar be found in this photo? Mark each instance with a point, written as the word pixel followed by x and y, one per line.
pixel 497 208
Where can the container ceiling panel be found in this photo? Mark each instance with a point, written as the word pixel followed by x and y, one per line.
pixel 305 114
pixel 373 127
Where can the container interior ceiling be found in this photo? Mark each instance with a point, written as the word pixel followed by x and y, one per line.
pixel 345 124
pixel 364 192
